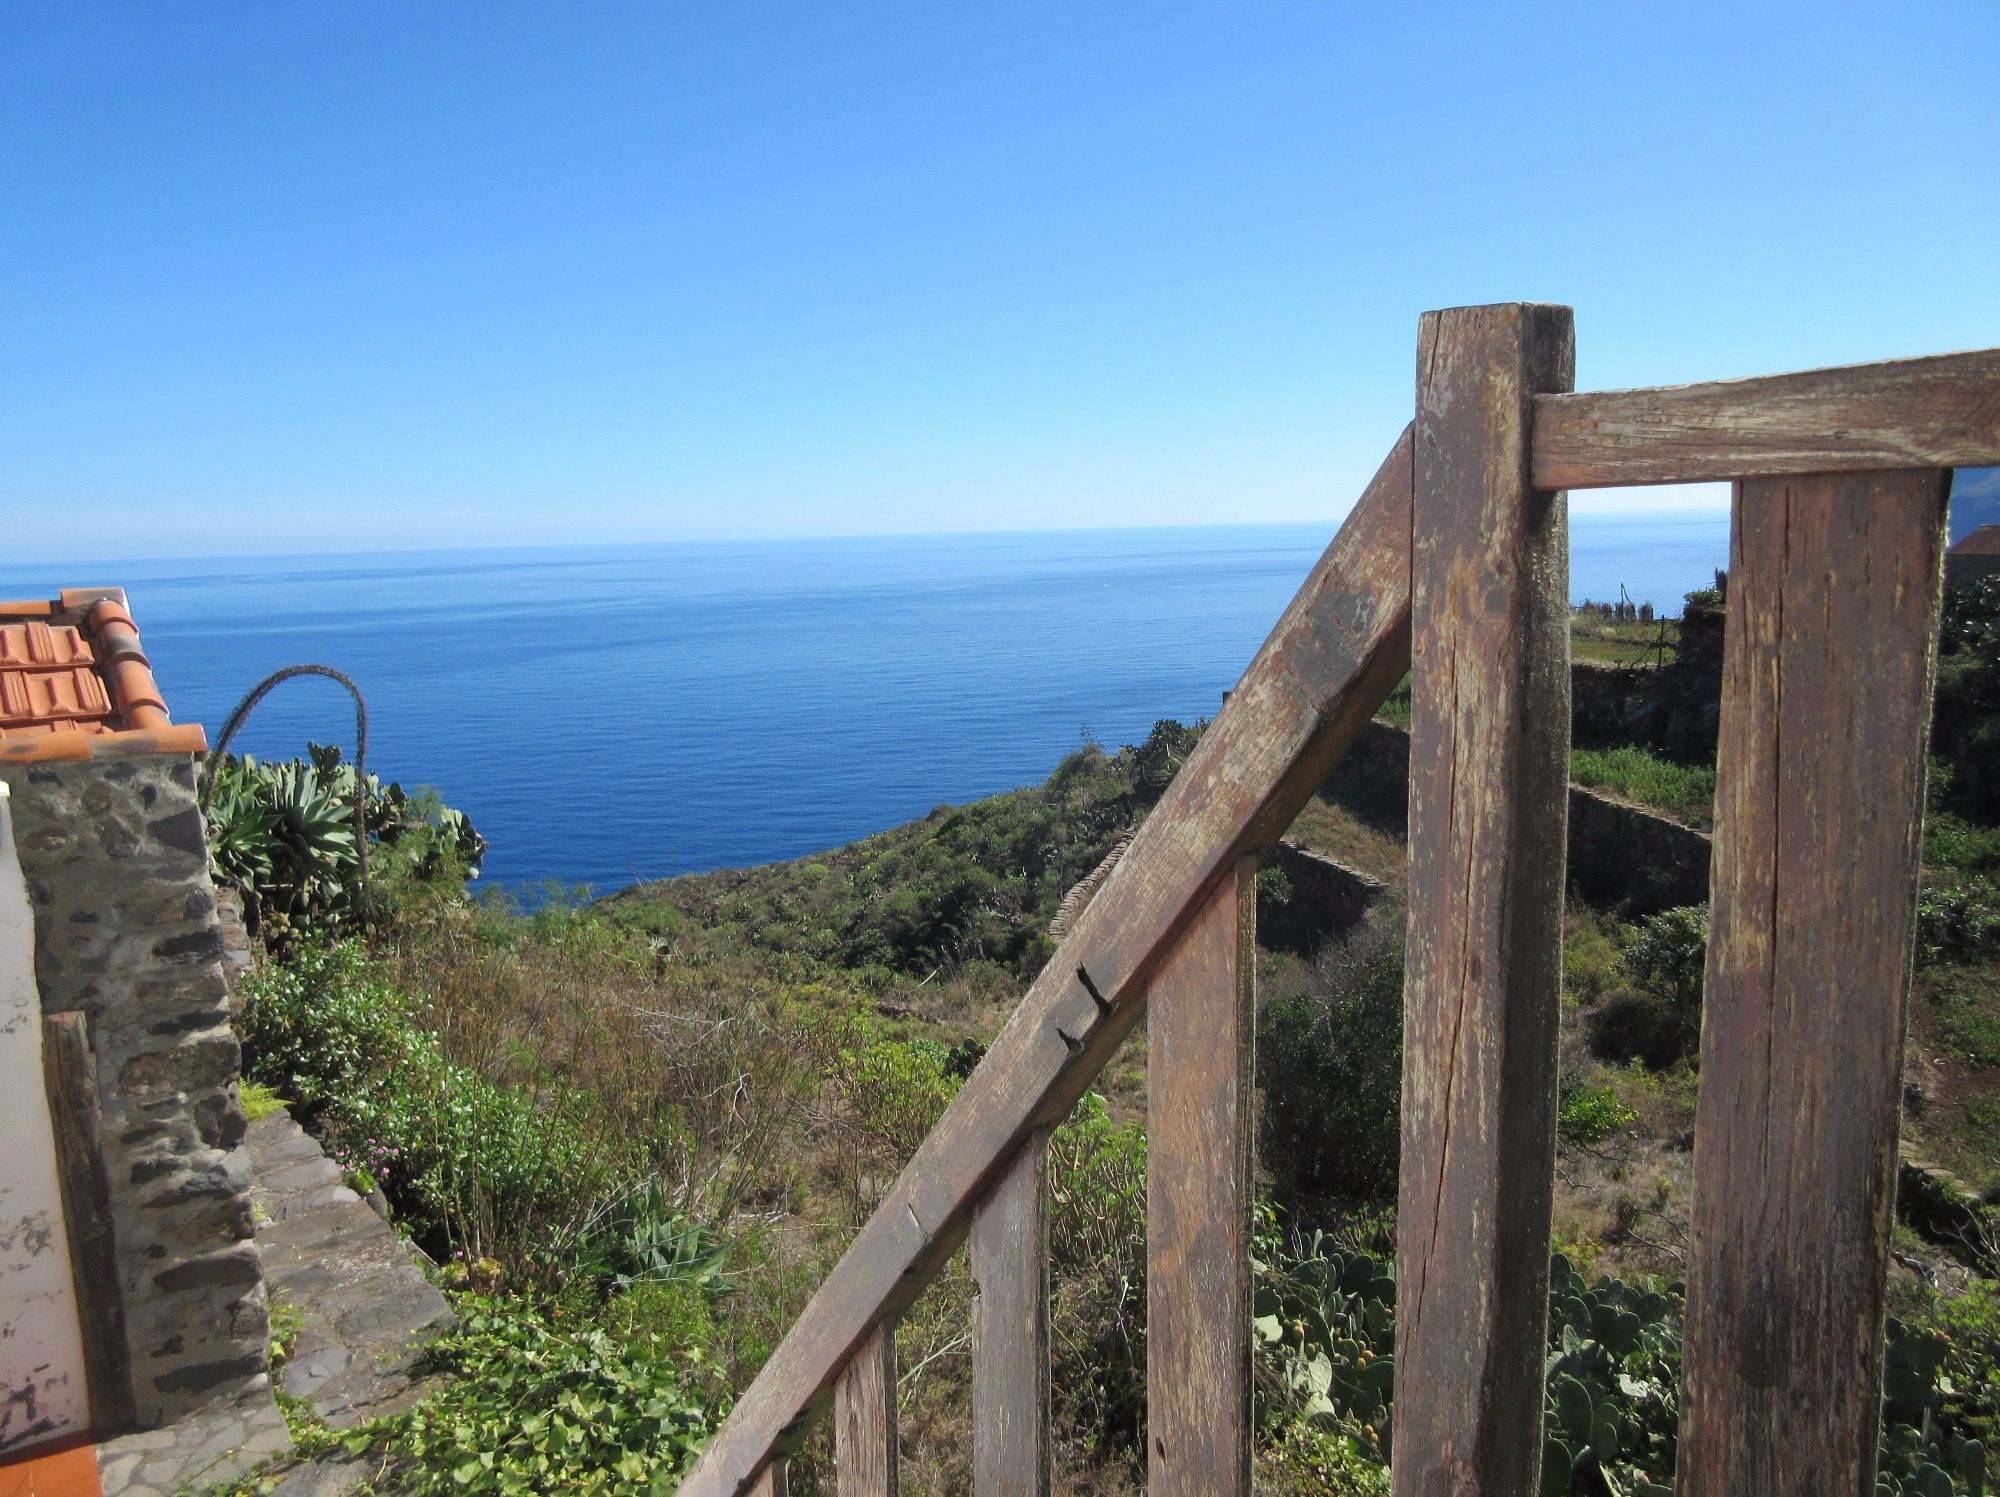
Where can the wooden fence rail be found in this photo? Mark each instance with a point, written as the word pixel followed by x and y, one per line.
pixel 1457 551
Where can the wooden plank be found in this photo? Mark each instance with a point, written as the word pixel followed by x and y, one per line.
pixel 1200 1091
pixel 69 1072
pixel 864 1418
pixel 1489 745
pixel 1939 412
pixel 1339 648
pixel 1829 653
pixel 773 1481
pixel 1011 1448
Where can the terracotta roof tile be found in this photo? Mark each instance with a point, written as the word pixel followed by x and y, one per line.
pixel 75 682
pixel 1985 541
pixel 35 645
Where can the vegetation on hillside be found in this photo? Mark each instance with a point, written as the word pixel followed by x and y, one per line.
pixel 636 1134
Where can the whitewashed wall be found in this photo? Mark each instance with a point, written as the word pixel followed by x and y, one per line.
pixel 42 1392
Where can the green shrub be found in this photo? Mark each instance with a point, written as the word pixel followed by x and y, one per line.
pixel 1325 1341
pixel 532 1407
pixel 1668 958
pixel 1330 1061
pixel 1592 945
pixel 1097 1270
pixel 1953 842
pixel 1958 922
pixel 474 1167
pixel 1631 1026
pixel 1590 1114
pixel 1685 790
pixel 1965 725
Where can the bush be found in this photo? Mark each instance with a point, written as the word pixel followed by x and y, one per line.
pixel 1638 1027
pixel 1590 1114
pixel 475 1167
pixel 1330 1061
pixel 1669 957
pixel 1958 922
pixel 534 1408
pixel 1097 1270
pixel 1955 843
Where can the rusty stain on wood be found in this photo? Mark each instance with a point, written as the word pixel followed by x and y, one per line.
pixel 69 1072
pixel 1011 1450
pixel 1937 412
pixel 1337 651
pixel 1200 1093
pixel 1830 649
pixel 864 1418
pixel 1489 746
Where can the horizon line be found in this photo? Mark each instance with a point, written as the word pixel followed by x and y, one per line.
pixel 1332 526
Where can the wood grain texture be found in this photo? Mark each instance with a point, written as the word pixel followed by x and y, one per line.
pixel 1011 1450
pixel 1940 412
pixel 1489 743
pixel 1200 1093
pixel 864 1418
pixel 1829 654
pixel 69 1073
pixel 1338 649
pixel 773 1481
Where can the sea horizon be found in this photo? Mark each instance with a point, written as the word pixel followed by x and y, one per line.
pixel 609 713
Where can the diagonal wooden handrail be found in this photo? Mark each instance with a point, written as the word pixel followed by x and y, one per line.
pixel 1339 648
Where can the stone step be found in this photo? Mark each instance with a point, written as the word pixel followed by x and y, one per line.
pixel 365 1308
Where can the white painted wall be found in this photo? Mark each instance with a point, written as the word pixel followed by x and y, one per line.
pixel 42 1392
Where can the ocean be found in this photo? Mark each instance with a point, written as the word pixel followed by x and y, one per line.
pixel 609 714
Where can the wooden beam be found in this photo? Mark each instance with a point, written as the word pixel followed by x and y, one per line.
pixel 773 1481
pixel 864 1418
pixel 1200 1093
pixel 1011 1447
pixel 1939 412
pixel 1489 747
pixel 1830 649
pixel 1339 648
pixel 69 1073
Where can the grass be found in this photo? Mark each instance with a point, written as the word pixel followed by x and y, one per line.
pixel 1683 790
pixel 1968 1012
pixel 1334 831
pixel 1622 644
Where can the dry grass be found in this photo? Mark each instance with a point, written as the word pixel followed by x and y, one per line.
pixel 1331 829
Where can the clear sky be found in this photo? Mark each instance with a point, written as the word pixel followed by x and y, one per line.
pixel 314 276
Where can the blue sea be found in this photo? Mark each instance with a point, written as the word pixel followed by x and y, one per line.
pixel 607 714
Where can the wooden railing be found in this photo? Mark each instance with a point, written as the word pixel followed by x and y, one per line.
pixel 1460 543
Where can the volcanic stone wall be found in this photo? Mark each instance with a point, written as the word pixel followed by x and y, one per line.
pixel 126 932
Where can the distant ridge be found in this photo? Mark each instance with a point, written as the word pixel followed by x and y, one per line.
pixel 1975 501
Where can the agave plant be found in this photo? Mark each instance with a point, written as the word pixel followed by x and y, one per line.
pixel 285 833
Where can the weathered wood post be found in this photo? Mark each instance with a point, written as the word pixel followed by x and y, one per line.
pixel 1011 1448
pixel 1830 649
pixel 1200 1092
pixel 864 1418
pixel 1489 752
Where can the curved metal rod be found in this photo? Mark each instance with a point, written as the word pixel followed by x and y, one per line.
pixel 257 694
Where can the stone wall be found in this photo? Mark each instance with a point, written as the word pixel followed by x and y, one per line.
pixel 126 932
pixel 1326 901
pixel 1620 855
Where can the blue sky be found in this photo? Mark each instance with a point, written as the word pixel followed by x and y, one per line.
pixel 293 277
